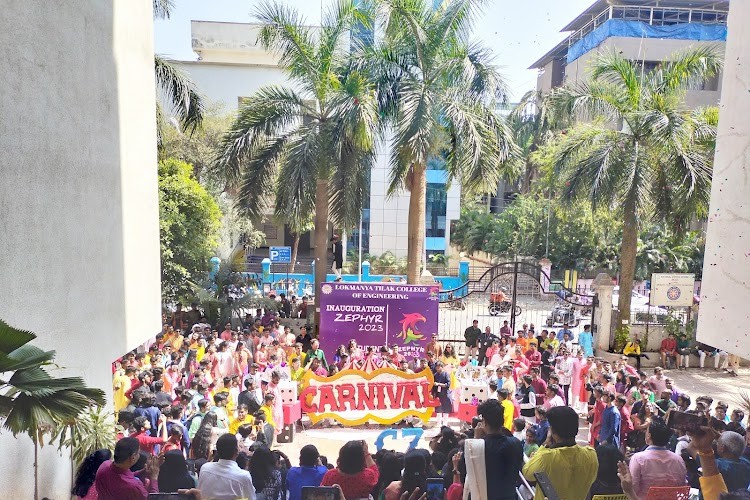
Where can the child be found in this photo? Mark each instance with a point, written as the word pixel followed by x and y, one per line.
pixel 530 446
pixel 519 429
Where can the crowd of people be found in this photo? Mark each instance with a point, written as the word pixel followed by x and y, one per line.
pixel 200 409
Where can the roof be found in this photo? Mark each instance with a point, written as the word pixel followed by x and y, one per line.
pixel 599 6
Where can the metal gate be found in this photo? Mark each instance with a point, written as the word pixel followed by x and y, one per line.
pixel 520 293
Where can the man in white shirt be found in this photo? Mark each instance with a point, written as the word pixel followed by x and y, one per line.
pixel 224 480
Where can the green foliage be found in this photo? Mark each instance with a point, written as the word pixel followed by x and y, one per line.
pixel 94 429
pixel 189 222
pixel 622 337
pixel 31 401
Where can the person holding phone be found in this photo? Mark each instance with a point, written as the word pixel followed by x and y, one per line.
pixel 356 471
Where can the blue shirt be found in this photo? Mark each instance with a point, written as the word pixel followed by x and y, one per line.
pixel 610 430
pixel 540 432
pixel 503 458
pixel 562 332
pixel 297 477
pixel 586 341
pixel 736 473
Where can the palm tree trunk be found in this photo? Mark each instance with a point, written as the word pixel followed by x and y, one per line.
pixel 36 470
pixel 295 246
pixel 321 240
pixel 416 228
pixel 628 250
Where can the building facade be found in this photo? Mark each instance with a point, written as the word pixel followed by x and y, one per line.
pixel 648 31
pixel 232 65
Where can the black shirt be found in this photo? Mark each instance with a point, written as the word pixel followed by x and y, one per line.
pixel 338 253
pixel 503 458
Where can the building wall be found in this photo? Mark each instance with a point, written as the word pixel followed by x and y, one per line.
pixel 725 291
pixel 78 200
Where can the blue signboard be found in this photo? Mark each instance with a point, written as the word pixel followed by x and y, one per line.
pixel 280 255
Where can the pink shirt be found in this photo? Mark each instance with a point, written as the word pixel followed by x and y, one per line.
pixel 656 466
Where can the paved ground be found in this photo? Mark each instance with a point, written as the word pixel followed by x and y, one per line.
pixel 694 382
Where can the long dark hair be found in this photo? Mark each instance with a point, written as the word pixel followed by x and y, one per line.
pixel 262 467
pixel 202 442
pixel 173 473
pixel 87 471
pixel 415 472
pixel 389 464
pixel 351 457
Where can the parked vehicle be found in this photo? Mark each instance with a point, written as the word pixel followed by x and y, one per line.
pixel 500 304
pixel 564 313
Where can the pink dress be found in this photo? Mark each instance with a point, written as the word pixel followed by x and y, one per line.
pixel 278 410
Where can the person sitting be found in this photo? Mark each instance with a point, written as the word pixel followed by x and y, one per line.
pixel 656 465
pixel 668 350
pixel 264 432
pixel 309 473
pixel 356 471
pixel 633 350
pixel 224 480
pixel 414 476
pixel 607 482
pixel 736 472
pixel 83 487
pixel 571 468
pixel 114 480
pixel 266 477
pixel 173 473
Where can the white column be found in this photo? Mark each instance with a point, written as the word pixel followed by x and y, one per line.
pixel 603 288
pixel 79 251
pixel 725 292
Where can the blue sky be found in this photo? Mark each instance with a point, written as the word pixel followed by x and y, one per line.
pixel 518 31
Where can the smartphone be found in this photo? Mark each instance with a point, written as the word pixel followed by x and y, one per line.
pixel 435 489
pixel 543 482
pixel 686 422
pixel 320 493
pixel 169 496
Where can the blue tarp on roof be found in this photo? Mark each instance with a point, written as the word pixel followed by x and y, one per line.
pixel 637 29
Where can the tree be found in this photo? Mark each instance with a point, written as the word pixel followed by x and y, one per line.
pixel 298 228
pixel 311 145
pixel 31 401
pixel 642 152
pixel 533 124
pixel 438 95
pixel 185 102
pixel 189 222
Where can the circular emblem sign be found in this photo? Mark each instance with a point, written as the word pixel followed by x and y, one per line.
pixel 673 293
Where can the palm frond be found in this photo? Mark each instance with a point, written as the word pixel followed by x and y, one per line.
pixel 13 338
pixel 265 115
pixel 284 32
pixel 688 69
pixel 613 68
pixel 25 356
pixel 590 100
pixel 163 8
pixel 258 170
pixel 295 194
pixel 185 100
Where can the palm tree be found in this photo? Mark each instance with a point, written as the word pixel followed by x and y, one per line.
pixel 533 123
pixel 31 401
pixel 185 102
pixel 643 152
pixel 438 95
pixel 310 145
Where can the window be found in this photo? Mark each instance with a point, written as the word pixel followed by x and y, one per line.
pixel 437 208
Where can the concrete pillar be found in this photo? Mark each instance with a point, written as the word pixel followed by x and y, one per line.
pixel 725 291
pixel 366 271
pixel 266 267
pixel 603 287
pixel 463 270
pixel 78 198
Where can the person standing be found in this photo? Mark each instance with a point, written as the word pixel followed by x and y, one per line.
pixel 565 372
pixel 571 468
pixel 338 256
pixel 225 479
pixel 586 341
pixel 115 481
pixel 609 433
pixel 441 392
pixel 484 341
pixel 471 335
pixel 494 458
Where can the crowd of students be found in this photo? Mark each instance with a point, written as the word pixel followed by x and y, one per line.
pixel 200 397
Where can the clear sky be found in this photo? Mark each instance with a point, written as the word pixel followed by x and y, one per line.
pixel 518 31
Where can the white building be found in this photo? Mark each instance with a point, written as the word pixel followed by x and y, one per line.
pixel 231 64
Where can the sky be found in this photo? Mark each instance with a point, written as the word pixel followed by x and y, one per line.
pixel 518 31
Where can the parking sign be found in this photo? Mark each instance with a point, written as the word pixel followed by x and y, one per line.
pixel 280 255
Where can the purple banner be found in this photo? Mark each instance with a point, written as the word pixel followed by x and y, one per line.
pixel 378 314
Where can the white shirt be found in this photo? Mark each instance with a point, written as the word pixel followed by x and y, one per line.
pixel 224 480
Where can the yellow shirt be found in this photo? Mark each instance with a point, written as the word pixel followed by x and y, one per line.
pixel 120 385
pixel 268 412
pixel 631 348
pixel 235 423
pixel 453 361
pixel 508 411
pixel 572 469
